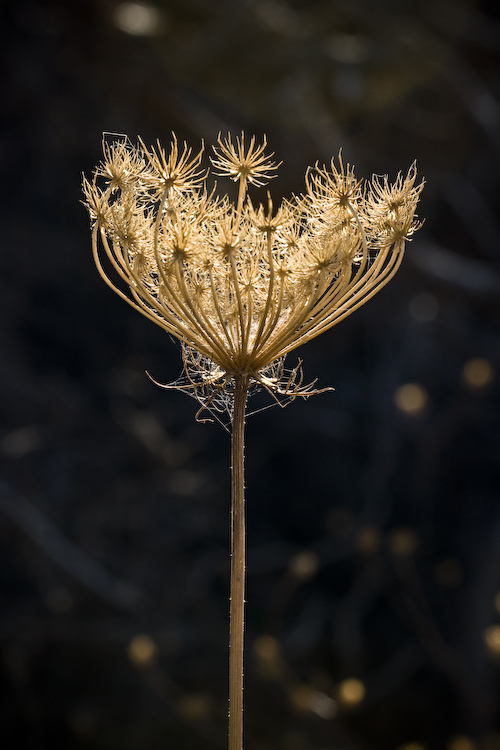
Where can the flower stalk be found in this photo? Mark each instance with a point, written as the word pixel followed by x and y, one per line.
pixel 238 555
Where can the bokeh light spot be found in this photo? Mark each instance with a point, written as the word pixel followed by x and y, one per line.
pixel 460 742
pixel 266 648
pixel 368 540
pixel 300 697
pixel 138 19
pixel 304 565
pixel 269 661
pixel 411 398
pixel 403 542
pixel 478 373
pixel 142 650
pixel 491 637
pixel 351 692
pixel 195 706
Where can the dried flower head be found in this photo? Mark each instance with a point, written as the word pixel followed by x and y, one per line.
pixel 250 164
pixel 241 286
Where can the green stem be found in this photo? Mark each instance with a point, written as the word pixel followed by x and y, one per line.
pixel 237 602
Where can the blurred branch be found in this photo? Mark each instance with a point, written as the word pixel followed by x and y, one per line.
pixel 475 277
pixel 64 553
pixel 472 209
pixel 411 603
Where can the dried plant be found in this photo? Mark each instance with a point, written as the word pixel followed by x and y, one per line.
pixel 241 285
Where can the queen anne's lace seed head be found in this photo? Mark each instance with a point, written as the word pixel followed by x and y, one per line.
pixel 243 163
pixel 239 285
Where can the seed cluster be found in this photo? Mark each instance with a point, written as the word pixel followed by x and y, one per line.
pixel 241 284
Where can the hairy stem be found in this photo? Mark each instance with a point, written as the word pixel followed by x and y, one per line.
pixel 237 605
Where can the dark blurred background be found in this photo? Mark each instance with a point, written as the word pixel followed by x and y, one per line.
pixel 373 513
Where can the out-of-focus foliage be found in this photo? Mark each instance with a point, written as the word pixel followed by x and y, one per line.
pixel 374 517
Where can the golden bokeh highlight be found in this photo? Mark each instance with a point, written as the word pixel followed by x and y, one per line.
pixel 403 542
pixel 304 565
pixel 412 746
pixel 478 373
pixel 301 697
pixel 142 650
pixel 460 742
pixel 138 19
pixel 491 637
pixel 351 692
pixel 411 398
pixel 368 540
pixel 195 706
pixel 268 653
pixel 266 648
